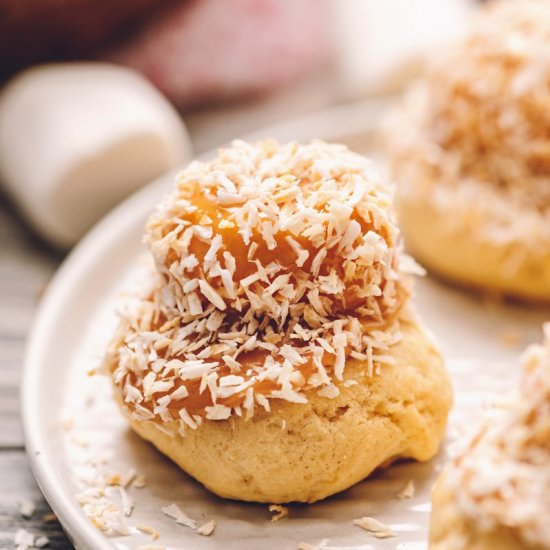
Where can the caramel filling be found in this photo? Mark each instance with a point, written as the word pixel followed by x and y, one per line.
pixel 283 253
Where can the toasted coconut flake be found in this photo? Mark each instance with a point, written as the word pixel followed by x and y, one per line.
pixel 212 294
pixel 280 511
pixel 176 513
pixel 301 253
pixel 206 529
pixel 378 529
pixel 148 530
pixel 407 491
pixel 127 502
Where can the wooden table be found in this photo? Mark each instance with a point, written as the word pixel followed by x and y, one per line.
pixel 26 265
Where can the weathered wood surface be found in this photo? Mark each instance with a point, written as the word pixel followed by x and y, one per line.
pixel 18 486
pixel 26 265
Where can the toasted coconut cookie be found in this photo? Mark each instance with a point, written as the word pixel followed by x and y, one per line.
pixel 470 150
pixel 274 355
pixel 496 493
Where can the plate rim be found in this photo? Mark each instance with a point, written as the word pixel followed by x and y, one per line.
pixel 355 118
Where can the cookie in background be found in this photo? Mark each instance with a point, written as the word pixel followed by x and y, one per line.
pixel 496 491
pixel 470 152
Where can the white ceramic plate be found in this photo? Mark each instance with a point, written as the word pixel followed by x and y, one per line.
pixel 76 319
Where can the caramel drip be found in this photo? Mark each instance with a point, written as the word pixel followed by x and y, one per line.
pixel 196 402
pixel 282 254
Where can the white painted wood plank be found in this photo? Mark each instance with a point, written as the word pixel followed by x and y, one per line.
pixel 26 265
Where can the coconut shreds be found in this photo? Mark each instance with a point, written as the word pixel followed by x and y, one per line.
pixel 377 528
pixel 176 513
pixel 473 138
pixel 148 530
pixel 280 511
pixel 206 529
pixel 103 511
pixel 275 265
pixel 106 501
pixel 407 491
pixel 140 481
pixel 105 497
pixel 126 501
pixel 501 477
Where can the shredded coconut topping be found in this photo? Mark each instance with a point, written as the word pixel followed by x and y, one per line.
pixel 474 137
pixel 275 264
pixel 502 477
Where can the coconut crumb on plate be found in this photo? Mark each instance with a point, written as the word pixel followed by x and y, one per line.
pixel 407 491
pixel 148 530
pixel 176 513
pixel 281 511
pixel 377 528
pixel 206 529
pixel 139 482
pixel 127 501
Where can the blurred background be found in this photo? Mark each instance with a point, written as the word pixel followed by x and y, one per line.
pixel 98 98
